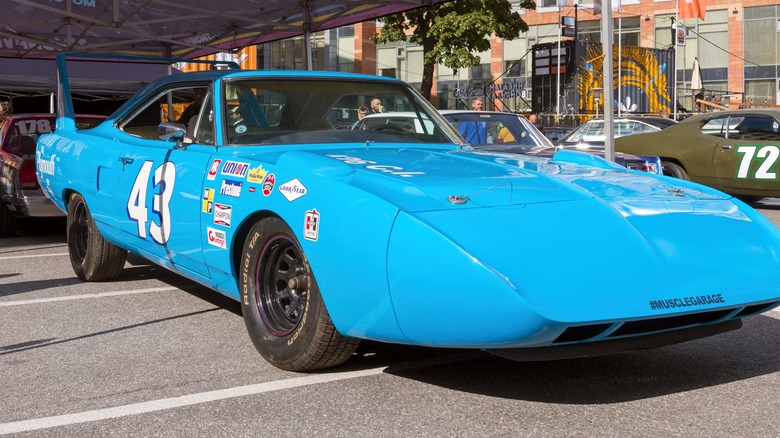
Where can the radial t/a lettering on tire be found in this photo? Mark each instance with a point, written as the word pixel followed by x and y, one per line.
pixel 93 258
pixel 283 310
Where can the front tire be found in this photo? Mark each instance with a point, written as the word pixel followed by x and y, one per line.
pixel 674 170
pixel 283 310
pixel 93 258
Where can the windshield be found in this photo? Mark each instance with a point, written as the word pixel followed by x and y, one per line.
pixel 483 129
pixel 290 111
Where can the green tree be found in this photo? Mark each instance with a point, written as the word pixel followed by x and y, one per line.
pixel 449 32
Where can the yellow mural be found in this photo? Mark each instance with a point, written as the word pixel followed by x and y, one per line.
pixel 643 77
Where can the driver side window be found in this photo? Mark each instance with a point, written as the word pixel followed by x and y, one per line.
pixel 180 105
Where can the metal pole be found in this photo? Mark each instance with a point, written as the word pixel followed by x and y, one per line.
pixel 606 45
pixel 620 59
pixel 558 68
pixel 674 70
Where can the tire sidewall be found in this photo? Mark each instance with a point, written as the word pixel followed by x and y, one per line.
pixel 77 260
pixel 282 351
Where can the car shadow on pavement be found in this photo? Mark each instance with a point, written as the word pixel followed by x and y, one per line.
pixel 141 269
pixel 742 354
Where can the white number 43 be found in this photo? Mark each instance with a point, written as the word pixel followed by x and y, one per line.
pixel 164 177
pixel 767 154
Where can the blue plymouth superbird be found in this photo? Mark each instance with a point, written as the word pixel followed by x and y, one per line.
pixel 254 184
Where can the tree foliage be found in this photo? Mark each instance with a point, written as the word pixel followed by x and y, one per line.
pixel 450 32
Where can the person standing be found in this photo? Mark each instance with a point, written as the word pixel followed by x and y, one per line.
pixel 475 132
pixel 376 106
pixel 6 107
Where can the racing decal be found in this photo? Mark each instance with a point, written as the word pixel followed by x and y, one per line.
pixel 257 174
pixel 222 214
pixel 677 303
pixel 235 168
pixel 231 188
pixel 268 184
pixel 208 200
pixel 766 157
pixel 213 170
pixel 34 126
pixel 164 178
pixel 216 237
pixel 46 167
pixel 373 165
pixel 311 225
pixel 292 189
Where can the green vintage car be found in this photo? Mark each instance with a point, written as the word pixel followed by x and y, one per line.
pixel 736 151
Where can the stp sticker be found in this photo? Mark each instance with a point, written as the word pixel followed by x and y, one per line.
pixel 213 170
pixel 208 200
pixel 222 214
pixel 268 184
pixel 311 225
pixel 216 237
pixel 292 189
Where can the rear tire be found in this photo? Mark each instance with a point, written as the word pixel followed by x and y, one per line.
pixel 93 258
pixel 283 310
pixel 8 225
pixel 674 170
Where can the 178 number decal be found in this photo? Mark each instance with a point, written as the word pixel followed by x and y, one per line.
pixel 165 178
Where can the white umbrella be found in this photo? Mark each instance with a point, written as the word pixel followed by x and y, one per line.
pixel 696 85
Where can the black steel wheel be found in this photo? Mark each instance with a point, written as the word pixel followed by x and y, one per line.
pixel 92 257
pixel 283 310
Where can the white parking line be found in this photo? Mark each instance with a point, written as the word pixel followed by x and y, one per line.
pixel 34 256
pixel 220 394
pixel 85 296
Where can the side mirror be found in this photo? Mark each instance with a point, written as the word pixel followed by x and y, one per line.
pixel 170 131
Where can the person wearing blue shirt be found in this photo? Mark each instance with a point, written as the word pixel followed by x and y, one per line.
pixel 475 132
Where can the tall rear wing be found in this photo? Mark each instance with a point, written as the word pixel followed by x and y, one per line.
pixel 66 117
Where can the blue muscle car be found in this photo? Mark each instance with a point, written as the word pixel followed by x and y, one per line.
pixel 253 183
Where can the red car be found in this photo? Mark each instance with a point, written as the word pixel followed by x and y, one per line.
pixel 20 193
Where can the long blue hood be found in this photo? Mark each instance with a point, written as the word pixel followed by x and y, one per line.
pixel 428 179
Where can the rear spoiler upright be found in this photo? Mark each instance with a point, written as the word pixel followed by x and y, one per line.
pixel 66 118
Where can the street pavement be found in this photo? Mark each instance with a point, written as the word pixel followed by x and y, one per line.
pixel 153 354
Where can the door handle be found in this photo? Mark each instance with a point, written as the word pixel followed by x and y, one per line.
pixel 726 146
pixel 126 160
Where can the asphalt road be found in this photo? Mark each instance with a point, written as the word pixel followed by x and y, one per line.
pixel 153 354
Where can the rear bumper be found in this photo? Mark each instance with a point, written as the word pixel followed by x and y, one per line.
pixel 36 205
